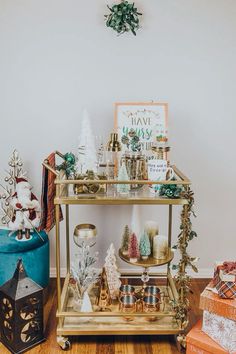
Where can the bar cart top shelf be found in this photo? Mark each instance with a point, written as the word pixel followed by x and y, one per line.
pixel 139 196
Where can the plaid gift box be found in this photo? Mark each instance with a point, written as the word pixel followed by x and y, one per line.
pixel 210 301
pixel 225 279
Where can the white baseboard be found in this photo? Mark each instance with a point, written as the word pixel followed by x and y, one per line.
pixel 202 272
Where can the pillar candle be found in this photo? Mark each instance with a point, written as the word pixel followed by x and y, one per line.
pixel 160 247
pixel 152 229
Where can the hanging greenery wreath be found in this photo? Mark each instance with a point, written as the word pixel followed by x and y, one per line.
pixel 124 17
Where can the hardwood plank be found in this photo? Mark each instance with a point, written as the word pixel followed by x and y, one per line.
pixel 111 344
pixel 142 344
pixel 124 345
pixel 163 345
pixel 105 345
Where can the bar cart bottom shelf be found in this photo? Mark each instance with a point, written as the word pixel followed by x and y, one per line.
pixel 114 322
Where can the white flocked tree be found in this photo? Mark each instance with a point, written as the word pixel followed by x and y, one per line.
pixel 113 275
pixel 87 155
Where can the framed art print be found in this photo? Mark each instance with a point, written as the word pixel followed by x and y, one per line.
pixel 149 121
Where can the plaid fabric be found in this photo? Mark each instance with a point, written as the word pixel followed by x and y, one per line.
pixel 226 289
pixel 48 217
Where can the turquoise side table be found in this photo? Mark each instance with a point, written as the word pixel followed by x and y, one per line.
pixel 34 253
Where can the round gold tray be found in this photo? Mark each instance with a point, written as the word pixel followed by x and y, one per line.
pixel 150 262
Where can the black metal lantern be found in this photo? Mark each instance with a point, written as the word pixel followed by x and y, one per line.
pixel 21 312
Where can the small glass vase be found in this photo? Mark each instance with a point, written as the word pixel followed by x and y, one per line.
pixel 82 304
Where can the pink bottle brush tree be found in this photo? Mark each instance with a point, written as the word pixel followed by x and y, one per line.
pixel 133 248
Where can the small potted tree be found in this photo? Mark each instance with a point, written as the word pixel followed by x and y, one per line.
pixel 144 246
pixel 133 251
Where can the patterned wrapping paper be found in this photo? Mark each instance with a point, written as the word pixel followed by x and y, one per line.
pixel 225 279
pixel 199 342
pixel 221 330
pixel 211 302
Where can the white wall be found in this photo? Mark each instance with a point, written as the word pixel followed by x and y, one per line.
pixel 57 56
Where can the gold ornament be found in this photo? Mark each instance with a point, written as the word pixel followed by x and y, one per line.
pixel 104 298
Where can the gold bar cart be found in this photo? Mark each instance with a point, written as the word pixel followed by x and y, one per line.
pixel 172 317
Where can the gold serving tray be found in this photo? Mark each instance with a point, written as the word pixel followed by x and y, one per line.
pixel 150 262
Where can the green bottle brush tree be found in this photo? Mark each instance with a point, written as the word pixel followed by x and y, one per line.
pixel 144 246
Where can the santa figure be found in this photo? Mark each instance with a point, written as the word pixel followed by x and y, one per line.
pixel 26 215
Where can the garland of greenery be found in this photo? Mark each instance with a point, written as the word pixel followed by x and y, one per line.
pixel 182 279
pixel 124 17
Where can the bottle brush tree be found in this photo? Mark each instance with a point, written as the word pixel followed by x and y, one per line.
pixel 125 240
pixel 144 246
pixel 133 248
pixel 123 176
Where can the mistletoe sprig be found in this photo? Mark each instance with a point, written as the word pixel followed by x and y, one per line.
pixel 124 17
pixel 185 236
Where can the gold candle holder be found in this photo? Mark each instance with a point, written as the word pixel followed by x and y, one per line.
pixel 85 233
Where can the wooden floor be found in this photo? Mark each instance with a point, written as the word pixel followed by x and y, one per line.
pixel 111 344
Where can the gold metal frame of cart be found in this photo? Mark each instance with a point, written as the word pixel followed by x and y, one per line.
pixel 64 316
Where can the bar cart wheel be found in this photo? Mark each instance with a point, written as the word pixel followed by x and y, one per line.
pixel 63 342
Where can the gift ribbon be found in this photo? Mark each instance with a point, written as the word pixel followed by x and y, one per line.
pixel 228 267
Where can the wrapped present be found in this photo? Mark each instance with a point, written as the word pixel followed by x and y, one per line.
pixel 210 301
pixel 220 329
pixel 200 343
pixel 225 279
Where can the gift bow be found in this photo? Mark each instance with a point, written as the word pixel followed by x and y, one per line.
pixel 229 267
